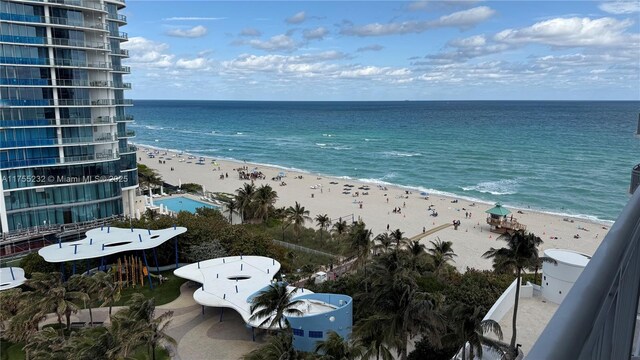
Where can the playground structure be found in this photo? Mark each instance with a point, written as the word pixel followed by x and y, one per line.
pixel 104 241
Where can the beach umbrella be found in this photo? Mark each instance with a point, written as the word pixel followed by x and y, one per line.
pixel 204 190
pixel 161 209
pixel 150 197
pixel 180 183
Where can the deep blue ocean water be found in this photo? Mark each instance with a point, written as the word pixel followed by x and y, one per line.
pixel 563 157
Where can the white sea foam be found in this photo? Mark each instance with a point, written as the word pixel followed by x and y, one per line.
pixel 500 187
pixel 341 147
pixel 321 144
pixel 400 154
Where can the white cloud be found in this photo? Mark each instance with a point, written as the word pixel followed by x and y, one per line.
pixel 194 32
pixel 620 7
pixel 374 47
pixel 148 52
pixel 193 64
pixel 250 32
pixel 297 18
pixel 275 43
pixel 570 32
pixel 193 18
pixel 461 19
pixel 315 34
pixel 313 65
pixel 373 71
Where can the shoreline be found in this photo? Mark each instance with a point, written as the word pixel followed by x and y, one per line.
pixel 374 182
pixel 374 204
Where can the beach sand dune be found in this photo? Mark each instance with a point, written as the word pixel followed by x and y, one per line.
pixel 327 195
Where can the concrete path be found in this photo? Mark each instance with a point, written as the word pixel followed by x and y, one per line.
pixel 199 336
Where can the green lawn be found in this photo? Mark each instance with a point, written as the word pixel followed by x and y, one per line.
pixel 142 353
pixel 11 351
pixel 165 293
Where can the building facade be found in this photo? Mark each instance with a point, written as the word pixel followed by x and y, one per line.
pixel 64 151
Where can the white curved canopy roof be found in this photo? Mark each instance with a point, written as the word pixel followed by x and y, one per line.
pixel 105 241
pixel 9 281
pixel 230 281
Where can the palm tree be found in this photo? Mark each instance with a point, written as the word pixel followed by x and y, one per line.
pixel 335 347
pixel 264 198
pixel 415 248
pixel 278 347
pixel 323 221
pixel 244 200
pixel 137 325
pixel 469 328
pixel 369 332
pixel 441 252
pixel 340 226
pixel 398 237
pixel 55 295
pixel 401 304
pixel 88 285
pixel 361 242
pixel 297 215
pixel 108 289
pixel 384 243
pixel 46 344
pixel 232 207
pixel 10 301
pixel 521 252
pixel 273 304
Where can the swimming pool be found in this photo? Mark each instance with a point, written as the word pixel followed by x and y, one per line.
pixel 180 203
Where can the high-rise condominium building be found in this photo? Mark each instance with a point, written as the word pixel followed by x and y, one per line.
pixel 64 155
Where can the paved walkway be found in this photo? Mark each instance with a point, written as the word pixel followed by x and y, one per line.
pixel 199 336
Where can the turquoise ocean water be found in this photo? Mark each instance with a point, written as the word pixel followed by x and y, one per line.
pixel 562 157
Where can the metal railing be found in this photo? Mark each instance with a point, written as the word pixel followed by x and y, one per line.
pixel 598 318
pixel 120 68
pixel 121 18
pixel 635 179
pixel 7 164
pixel 126 118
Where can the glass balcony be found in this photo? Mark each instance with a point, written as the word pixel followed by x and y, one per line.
pixel 127 150
pixel 104 156
pixel 126 86
pixel 63 102
pixel 126 134
pixel 102 120
pixel 24 60
pixel 25 82
pixel 123 102
pixel 120 3
pixel 119 35
pixel 121 52
pixel 22 18
pixel 126 118
pixel 23 39
pixel 80 63
pixel 120 18
pixel 122 69
pixel 78 3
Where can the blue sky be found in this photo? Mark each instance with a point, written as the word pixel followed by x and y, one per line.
pixel 375 50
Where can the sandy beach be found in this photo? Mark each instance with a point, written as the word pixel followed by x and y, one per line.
pixel 325 195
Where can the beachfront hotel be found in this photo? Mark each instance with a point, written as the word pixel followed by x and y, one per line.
pixel 64 151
